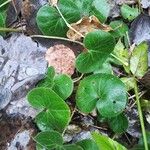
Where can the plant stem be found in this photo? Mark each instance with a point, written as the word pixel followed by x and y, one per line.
pixel 5 3
pixel 124 63
pixel 68 25
pixel 140 115
pixel 10 30
pixel 74 110
pixel 55 37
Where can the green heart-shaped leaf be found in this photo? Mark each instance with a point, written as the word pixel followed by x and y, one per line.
pixel 99 44
pixel 119 124
pixel 56 114
pixel 49 140
pixel 105 92
pixel 105 143
pixel 51 23
pixel 119 28
pixel 48 81
pixel 61 84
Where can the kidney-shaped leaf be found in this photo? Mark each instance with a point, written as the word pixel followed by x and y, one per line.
pixel 99 44
pixel 56 114
pixel 105 92
pixel 49 140
pixel 105 143
pixel 119 124
pixel 51 23
pixel 61 84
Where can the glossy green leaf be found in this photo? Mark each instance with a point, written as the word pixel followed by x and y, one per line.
pixel 49 140
pixel 88 144
pixel 119 28
pixel 51 23
pixel 61 84
pixel 55 114
pixel 129 82
pixel 48 81
pixel 128 12
pixel 84 6
pixel 105 68
pixel 99 44
pixel 105 92
pixel 101 9
pixel 105 143
pixel 139 60
pixel 118 124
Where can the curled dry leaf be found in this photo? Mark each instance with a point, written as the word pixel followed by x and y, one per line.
pixel 86 25
pixel 62 58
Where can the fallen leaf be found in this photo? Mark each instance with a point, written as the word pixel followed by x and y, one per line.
pixel 86 25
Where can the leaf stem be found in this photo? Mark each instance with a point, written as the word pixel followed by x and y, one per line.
pixel 55 37
pixel 68 25
pixel 10 30
pixel 140 115
pixel 5 3
pixel 124 63
pixel 74 110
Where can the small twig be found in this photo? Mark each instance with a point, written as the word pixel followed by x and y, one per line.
pixel 101 128
pixel 55 37
pixel 78 79
pixel 69 120
pixel 10 30
pixel 140 95
pixel 127 138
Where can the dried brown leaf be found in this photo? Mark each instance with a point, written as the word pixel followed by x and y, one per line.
pixel 86 25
